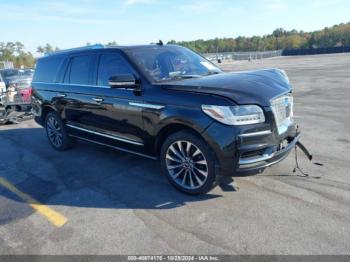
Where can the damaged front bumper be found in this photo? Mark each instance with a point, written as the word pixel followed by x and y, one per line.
pixel 248 150
pixel 267 157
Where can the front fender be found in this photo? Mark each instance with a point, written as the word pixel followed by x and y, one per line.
pixel 155 122
pixel 192 118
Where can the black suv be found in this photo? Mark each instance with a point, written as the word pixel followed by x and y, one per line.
pixel 166 102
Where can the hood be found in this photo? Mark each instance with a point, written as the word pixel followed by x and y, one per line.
pixel 251 87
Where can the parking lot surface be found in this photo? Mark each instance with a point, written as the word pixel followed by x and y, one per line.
pixel 93 200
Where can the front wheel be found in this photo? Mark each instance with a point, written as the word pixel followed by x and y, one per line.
pixel 188 163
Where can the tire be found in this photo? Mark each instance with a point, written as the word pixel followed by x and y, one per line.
pixel 56 132
pixel 4 118
pixel 188 162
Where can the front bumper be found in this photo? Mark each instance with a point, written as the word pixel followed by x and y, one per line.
pixel 268 157
pixel 246 150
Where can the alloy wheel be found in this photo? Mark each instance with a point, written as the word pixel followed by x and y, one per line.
pixel 186 164
pixel 54 132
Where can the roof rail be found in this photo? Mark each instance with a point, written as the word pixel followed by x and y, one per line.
pixel 88 47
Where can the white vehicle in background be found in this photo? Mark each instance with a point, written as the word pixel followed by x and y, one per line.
pixel 2 90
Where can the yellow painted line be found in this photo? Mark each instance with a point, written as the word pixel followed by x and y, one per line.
pixel 54 217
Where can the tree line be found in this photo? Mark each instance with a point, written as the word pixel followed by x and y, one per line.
pixel 337 35
pixel 15 52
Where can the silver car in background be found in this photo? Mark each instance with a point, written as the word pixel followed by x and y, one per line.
pixel 22 79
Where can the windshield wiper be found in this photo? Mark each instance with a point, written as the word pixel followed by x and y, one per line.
pixel 212 73
pixel 184 77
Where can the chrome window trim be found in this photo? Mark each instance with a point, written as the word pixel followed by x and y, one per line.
pixel 259 133
pixel 66 84
pixel 106 135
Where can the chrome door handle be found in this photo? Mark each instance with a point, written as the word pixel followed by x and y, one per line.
pixel 98 100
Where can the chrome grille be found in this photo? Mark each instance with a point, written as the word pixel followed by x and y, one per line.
pixel 282 108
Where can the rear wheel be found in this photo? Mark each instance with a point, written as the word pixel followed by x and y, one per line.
pixel 56 132
pixel 188 162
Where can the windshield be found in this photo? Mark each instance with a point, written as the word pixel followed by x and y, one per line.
pixel 163 63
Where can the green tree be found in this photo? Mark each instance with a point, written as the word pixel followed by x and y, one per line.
pixel 280 38
pixel 277 33
pixel 112 43
pixel 15 52
pixel 46 49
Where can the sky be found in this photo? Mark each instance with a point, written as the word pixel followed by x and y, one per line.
pixel 72 23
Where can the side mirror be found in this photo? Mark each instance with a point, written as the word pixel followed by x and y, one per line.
pixel 122 81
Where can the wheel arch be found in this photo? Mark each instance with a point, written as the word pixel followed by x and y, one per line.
pixel 170 129
pixel 46 108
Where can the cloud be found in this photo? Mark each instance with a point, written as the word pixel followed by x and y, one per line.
pixel 26 17
pixel 321 4
pixel 135 2
pixel 275 5
pixel 76 11
pixel 201 6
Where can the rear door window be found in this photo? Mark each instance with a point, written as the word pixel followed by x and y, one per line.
pixel 80 70
pixel 111 65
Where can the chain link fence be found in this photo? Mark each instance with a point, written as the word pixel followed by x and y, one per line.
pixel 242 55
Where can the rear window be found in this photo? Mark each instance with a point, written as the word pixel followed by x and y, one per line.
pixel 47 69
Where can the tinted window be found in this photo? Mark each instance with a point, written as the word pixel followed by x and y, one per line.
pixel 163 63
pixel 111 65
pixel 79 71
pixel 47 68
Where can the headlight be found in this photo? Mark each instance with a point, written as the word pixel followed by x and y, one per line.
pixel 235 115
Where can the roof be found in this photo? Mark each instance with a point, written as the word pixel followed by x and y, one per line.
pixel 100 46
